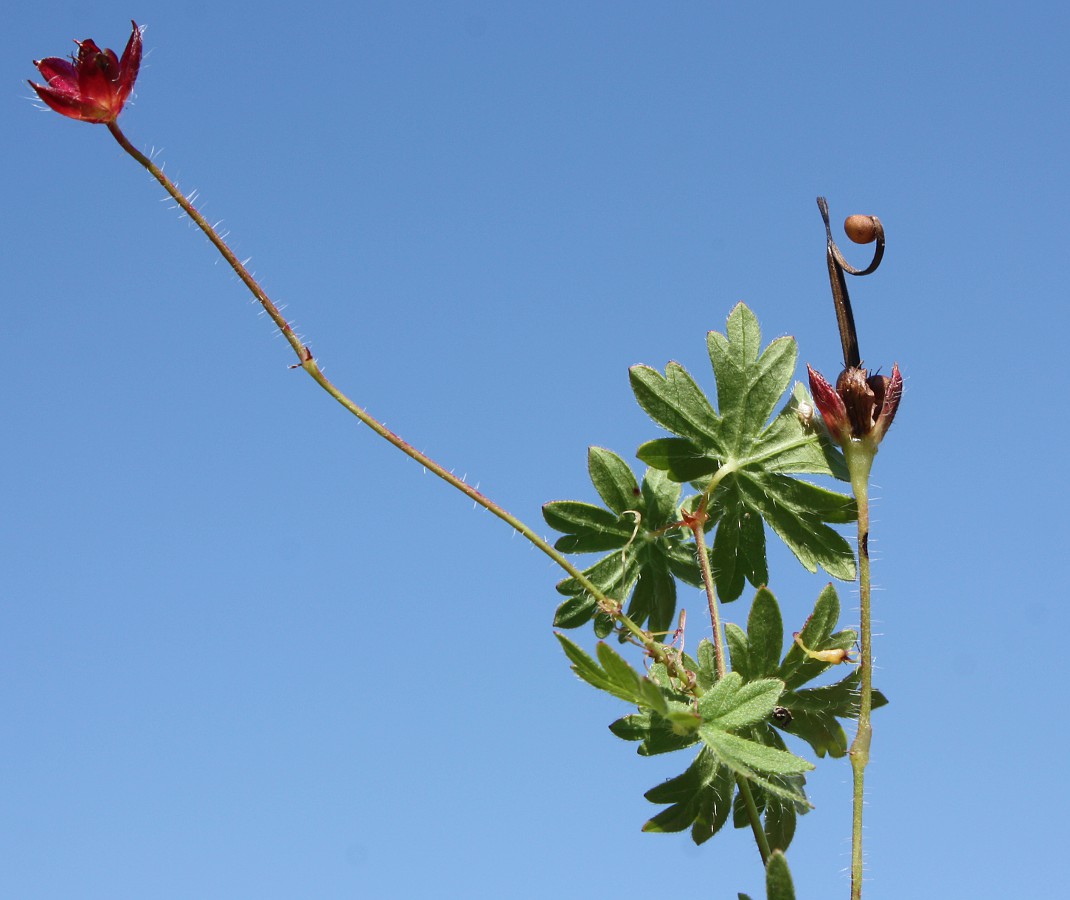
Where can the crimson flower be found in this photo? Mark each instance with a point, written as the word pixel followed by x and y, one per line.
pixel 92 86
pixel 859 407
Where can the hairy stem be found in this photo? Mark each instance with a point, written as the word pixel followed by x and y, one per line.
pixel 859 456
pixel 308 363
pixel 755 818
pixel 711 592
pixel 697 524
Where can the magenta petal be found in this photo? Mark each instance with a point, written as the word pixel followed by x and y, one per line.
pixel 88 52
pixel 55 70
pixel 131 61
pixel 130 64
pixel 86 49
pixel 94 85
pixel 63 102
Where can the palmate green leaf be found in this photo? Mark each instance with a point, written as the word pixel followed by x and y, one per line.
pixel 812 714
pixel 751 460
pixel 654 597
pixel 749 382
pixel 646 556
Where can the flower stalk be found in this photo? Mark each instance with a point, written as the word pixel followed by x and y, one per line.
pixel 857 413
pixel 307 362
pixel 859 462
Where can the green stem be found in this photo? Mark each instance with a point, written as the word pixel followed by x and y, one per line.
pixel 859 456
pixel 697 525
pixel 308 363
pixel 755 818
pixel 711 596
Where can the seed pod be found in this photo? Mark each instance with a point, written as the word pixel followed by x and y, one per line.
pixel 860 229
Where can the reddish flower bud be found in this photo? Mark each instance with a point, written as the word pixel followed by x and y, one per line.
pixel 859 407
pixel 830 405
pixel 92 86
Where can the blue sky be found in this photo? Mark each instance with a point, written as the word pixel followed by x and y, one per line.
pixel 249 650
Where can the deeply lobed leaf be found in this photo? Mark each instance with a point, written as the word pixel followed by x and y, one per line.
pixel 746 462
pixel 647 553
pixel 812 714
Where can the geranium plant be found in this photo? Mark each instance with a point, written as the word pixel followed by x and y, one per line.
pixel 720 476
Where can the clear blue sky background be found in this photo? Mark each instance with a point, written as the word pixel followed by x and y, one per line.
pixel 249 650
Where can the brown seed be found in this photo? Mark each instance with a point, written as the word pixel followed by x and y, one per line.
pixel 860 229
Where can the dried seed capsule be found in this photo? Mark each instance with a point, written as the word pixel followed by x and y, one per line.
pixel 860 229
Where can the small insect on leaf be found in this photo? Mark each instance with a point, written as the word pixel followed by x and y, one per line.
pixel 833 656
